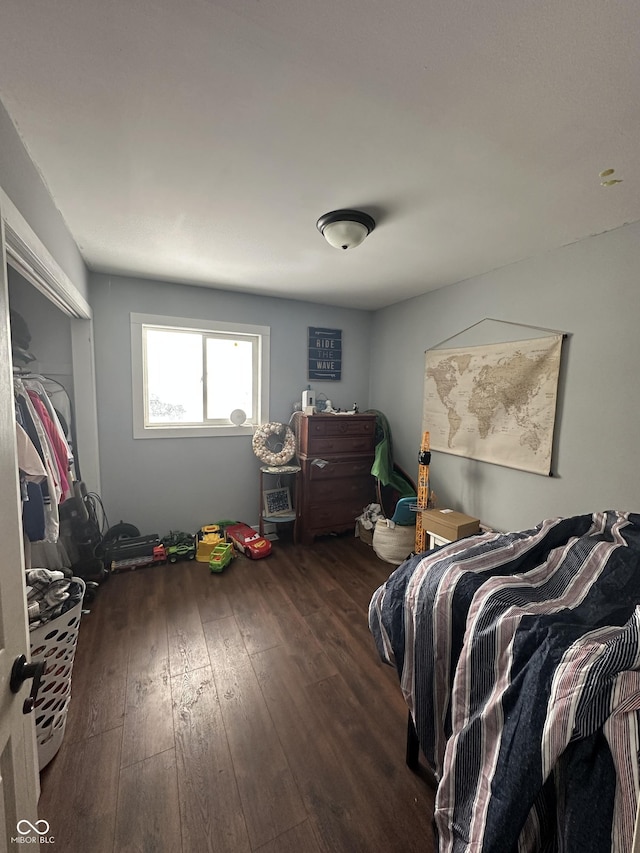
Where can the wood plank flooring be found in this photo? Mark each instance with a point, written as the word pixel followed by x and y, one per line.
pixel 246 712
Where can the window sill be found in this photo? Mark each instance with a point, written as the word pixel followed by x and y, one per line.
pixel 192 432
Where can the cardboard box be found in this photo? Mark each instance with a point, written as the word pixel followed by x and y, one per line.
pixel 449 524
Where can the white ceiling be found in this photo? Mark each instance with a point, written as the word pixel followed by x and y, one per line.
pixel 200 140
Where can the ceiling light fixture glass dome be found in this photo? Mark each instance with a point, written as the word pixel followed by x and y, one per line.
pixel 345 229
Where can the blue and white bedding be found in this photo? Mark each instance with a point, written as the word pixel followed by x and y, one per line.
pixel 519 659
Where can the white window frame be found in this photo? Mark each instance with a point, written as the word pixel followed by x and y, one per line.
pixel 140 430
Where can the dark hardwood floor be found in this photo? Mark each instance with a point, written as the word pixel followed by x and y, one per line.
pixel 237 713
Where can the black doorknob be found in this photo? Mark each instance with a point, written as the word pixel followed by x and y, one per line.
pixel 20 672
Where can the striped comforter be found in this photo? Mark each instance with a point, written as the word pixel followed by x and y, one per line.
pixel 519 659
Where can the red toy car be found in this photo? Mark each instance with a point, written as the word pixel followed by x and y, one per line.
pixel 247 541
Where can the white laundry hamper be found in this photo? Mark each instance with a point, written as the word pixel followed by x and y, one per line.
pixel 55 643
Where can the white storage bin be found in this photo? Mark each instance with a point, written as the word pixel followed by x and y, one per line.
pixel 55 642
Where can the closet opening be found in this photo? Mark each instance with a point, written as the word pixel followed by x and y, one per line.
pixel 46 370
pixel 35 277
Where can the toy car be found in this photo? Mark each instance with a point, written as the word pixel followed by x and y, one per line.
pixel 181 552
pixel 157 554
pixel 221 556
pixel 247 541
pixel 179 546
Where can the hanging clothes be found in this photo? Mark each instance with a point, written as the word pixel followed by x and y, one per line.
pixel 57 443
pixel 35 414
pixel 29 462
pixel 32 475
pixel 27 417
pixel 46 396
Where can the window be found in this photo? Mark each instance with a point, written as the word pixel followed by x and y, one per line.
pixel 189 375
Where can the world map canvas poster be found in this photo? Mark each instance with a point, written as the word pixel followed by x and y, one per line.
pixel 495 402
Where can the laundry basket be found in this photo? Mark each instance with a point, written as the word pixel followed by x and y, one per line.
pixel 393 543
pixel 55 642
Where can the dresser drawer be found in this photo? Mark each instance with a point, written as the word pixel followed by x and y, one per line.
pixel 325 425
pixel 327 434
pixel 359 490
pixel 335 469
pixel 343 444
pixel 332 516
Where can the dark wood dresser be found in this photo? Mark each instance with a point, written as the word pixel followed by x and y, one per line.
pixel 333 495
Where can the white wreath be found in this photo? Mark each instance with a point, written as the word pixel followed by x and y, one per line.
pixel 265 453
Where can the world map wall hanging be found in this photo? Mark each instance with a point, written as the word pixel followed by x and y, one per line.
pixel 495 402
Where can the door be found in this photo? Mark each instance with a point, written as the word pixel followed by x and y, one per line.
pixel 19 781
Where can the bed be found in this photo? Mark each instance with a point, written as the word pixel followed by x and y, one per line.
pixel 518 655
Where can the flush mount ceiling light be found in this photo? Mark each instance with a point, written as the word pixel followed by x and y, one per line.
pixel 345 229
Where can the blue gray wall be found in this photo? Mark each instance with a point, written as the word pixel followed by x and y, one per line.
pixel 591 290
pixel 183 483
pixel 21 181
